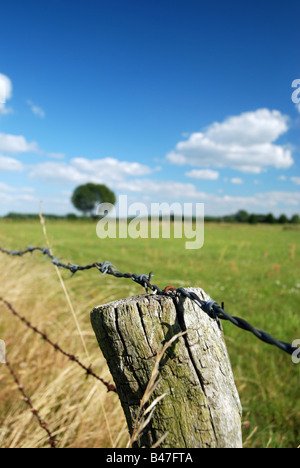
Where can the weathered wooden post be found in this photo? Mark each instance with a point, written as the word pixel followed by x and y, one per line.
pixel 201 407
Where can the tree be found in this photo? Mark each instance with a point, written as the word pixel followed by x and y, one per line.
pixel 295 219
pixel 253 218
pixel 283 219
pixel 270 218
pixel 242 216
pixel 86 197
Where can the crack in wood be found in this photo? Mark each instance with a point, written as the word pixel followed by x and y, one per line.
pixel 201 407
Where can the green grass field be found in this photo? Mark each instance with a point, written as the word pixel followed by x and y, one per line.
pixel 255 270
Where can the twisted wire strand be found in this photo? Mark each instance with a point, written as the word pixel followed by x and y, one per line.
pixel 105 267
pixel 215 311
pixel 211 307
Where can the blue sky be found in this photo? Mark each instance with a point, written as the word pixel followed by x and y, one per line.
pixel 163 101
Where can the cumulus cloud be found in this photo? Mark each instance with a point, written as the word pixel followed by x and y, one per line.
pixel 111 166
pixel 171 190
pixel 162 190
pixel 10 164
pixel 214 203
pixel 80 170
pixel 202 174
pixel 14 144
pixel 244 142
pixel 127 177
pixel 5 93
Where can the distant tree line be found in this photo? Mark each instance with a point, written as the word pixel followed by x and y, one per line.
pixel 36 217
pixel 87 197
pixel 241 216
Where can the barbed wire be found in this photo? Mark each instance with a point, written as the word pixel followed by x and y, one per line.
pixel 211 307
pixel 216 312
pixel 105 267
pixel 52 440
pixel 71 357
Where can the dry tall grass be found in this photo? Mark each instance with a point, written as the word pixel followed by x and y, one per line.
pixel 78 410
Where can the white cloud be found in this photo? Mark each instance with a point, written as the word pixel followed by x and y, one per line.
pixel 143 189
pixel 248 128
pixel 14 144
pixel 59 172
pixel 282 178
pixel 36 110
pixel 5 93
pixel 244 142
pixel 162 190
pixel 214 203
pixel 109 171
pixel 10 198
pixel 236 180
pixel 23 200
pixel 15 197
pixel 7 188
pixel 176 158
pixel 111 167
pixel 10 164
pixel 119 176
pixel 203 174
pixel 177 190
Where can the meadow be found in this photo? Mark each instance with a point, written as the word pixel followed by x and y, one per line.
pixel 253 269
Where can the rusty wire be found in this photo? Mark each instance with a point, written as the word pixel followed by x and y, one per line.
pixel 51 439
pixel 71 357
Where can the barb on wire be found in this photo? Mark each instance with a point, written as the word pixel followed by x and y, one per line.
pixel 71 357
pixel 106 267
pixel 211 307
pixel 52 441
pixel 215 311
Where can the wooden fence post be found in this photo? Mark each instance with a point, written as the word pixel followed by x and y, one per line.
pixel 201 408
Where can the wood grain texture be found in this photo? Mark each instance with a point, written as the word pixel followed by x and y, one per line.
pixel 202 406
